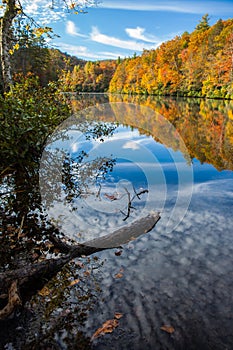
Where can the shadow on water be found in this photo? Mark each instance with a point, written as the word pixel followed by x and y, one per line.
pixel 182 279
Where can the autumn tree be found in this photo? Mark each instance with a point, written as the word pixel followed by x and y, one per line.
pixel 14 9
pixel 197 64
pixel 32 53
pixel 91 77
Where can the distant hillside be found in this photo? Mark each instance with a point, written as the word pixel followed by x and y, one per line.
pixel 45 63
pixel 74 74
pixel 196 64
pixel 60 60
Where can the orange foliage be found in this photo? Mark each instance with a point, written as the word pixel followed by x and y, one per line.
pixel 198 64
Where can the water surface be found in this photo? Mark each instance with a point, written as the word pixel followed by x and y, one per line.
pixel 180 274
pixel 182 278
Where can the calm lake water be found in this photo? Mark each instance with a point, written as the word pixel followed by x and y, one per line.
pixel 181 273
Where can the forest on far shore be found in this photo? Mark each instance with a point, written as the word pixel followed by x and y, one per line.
pixel 197 64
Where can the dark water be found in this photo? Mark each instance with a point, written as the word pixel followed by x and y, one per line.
pixel 180 274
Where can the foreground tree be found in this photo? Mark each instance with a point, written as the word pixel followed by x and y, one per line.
pixel 12 9
pixel 6 23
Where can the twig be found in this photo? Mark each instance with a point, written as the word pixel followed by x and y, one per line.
pixel 21 226
pixel 129 207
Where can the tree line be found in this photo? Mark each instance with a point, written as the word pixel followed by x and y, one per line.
pixel 52 65
pixel 197 64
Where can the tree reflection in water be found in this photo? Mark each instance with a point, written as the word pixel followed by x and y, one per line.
pixel 206 128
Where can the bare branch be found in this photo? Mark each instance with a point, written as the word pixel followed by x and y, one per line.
pixel 130 200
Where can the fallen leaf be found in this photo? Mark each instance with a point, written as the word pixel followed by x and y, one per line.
pixel 44 292
pixel 120 273
pixel 167 329
pixel 86 273
pixel 112 197
pixel 118 315
pixel 74 282
pixel 107 327
pixel 80 264
pixel 49 245
pixel 118 253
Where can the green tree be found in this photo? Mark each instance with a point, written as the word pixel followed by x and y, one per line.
pixel 32 54
pixel 13 9
pixel 203 24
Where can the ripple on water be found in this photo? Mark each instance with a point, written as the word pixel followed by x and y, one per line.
pixel 184 280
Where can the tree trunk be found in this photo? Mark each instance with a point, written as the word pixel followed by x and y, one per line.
pixel 19 285
pixel 5 42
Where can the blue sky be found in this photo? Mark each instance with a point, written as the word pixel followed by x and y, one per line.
pixel 121 27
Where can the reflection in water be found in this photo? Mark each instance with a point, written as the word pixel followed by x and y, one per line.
pixel 206 126
pixel 182 278
pixel 93 181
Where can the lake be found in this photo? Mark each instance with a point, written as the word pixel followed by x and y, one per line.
pixel 116 159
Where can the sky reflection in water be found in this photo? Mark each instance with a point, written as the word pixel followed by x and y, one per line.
pixel 181 278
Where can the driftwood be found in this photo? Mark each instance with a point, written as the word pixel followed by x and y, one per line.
pixel 18 285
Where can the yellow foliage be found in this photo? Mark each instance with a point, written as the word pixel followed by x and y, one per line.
pixel 16 46
pixel 230 114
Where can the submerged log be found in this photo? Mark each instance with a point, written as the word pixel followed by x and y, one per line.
pixel 19 285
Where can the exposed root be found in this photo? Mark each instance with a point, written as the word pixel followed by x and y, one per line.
pixel 14 300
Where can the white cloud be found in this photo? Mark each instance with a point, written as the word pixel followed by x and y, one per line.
pixel 32 8
pixel 79 51
pixel 116 42
pixel 43 12
pixel 138 33
pixel 84 53
pixel 113 55
pixel 131 145
pixel 194 7
pixel 73 30
pixel 212 187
